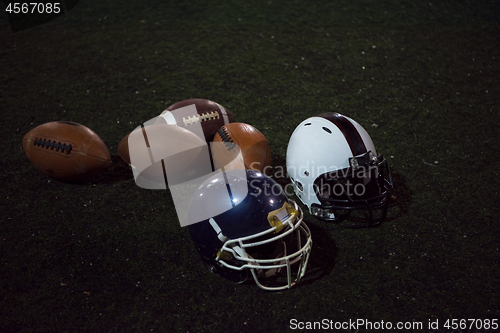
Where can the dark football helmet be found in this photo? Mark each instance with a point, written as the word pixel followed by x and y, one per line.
pixel 260 235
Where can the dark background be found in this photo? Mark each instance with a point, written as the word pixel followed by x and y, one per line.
pixel 421 76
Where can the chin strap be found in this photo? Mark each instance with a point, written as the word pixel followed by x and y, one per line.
pixel 218 230
pixel 225 255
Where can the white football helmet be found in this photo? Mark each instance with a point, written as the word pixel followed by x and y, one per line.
pixel 335 170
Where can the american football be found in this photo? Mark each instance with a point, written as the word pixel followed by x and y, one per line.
pixel 123 149
pixel 66 150
pixel 211 115
pixel 252 144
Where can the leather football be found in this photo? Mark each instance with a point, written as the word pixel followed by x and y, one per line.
pixel 211 116
pixel 66 150
pixel 239 145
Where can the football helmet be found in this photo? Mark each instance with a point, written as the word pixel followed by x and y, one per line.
pixel 335 170
pixel 262 236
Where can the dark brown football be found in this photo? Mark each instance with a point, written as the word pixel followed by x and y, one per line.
pixel 211 115
pixel 66 151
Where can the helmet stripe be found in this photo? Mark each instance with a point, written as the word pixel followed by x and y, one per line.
pixel 350 132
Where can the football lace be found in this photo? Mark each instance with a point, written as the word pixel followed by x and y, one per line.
pixel 53 145
pixel 200 118
pixel 226 138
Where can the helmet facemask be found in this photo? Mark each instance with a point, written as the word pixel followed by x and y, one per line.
pixel 262 235
pixel 273 256
pixel 356 196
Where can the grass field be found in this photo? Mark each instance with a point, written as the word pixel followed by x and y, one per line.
pixel 108 256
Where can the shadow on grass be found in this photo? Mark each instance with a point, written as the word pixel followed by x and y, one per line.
pixel 117 171
pixel 401 196
pixel 323 255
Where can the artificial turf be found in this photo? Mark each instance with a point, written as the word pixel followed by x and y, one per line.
pixel 108 256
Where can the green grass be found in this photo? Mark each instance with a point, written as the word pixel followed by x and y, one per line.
pixel 109 256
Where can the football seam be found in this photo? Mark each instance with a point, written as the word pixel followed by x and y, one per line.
pixel 93 156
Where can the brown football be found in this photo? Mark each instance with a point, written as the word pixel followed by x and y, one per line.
pixel 254 148
pixel 211 115
pixel 66 151
pixel 123 149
